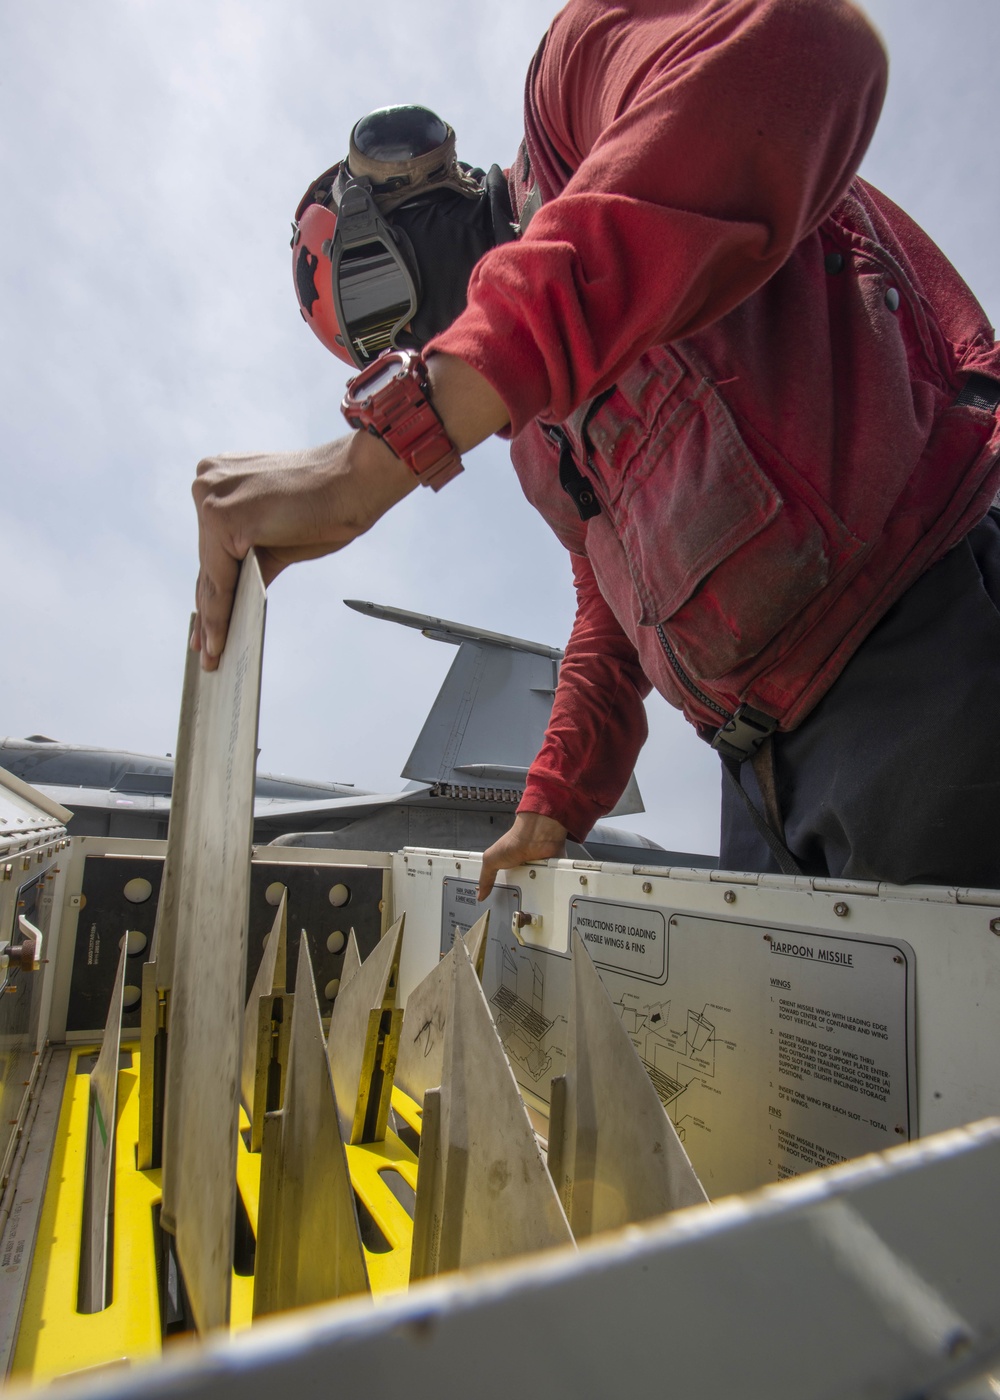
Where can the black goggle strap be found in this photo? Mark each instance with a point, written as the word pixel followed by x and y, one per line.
pixel 374 292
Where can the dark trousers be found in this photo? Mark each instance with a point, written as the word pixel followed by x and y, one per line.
pixel 895 775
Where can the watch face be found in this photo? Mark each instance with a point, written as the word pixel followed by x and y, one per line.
pixel 380 379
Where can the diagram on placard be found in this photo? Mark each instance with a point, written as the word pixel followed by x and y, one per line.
pixel 528 1036
pixel 668 1051
pixel 700 1043
pixel 528 991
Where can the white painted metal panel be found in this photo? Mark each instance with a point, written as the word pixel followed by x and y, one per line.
pixel 925 975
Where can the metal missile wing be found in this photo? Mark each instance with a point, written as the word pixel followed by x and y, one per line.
pixel 266 1029
pixel 308 1243
pixel 206 1001
pixel 614 1154
pixel 98 1197
pixel 364 1035
pixel 420 1061
pixel 483 1191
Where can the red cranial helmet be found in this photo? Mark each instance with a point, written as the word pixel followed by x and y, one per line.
pixel 313 271
pixel 356 276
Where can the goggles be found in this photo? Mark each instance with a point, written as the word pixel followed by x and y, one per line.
pixel 375 286
pixel 356 276
pixel 356 283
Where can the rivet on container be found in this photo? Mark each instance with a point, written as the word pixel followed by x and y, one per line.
pixel 730 896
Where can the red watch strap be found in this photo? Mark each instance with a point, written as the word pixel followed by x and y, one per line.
pixel 418 438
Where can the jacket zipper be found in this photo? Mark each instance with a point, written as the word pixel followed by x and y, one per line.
pixel 685 679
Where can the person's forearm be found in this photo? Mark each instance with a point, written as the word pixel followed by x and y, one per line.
pixel 301 505
pixel 467 404
pixel 598 723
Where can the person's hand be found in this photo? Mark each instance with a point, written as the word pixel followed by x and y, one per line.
pixel 532 837
pixel 291 506
pixel 302 505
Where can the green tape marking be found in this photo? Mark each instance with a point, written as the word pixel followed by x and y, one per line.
pixel 100 1121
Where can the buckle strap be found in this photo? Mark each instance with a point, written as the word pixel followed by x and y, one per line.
pixel 979 391
pixel 742 735
pixel 786 862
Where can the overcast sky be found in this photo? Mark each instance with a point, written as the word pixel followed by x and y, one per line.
pixel 151 156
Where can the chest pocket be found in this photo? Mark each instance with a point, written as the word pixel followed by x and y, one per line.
pixel 722 552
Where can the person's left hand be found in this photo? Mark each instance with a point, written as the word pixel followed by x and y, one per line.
pixel 532 837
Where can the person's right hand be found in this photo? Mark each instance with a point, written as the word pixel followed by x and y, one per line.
pixel 532 837
pixel 291 506
pixel 301 505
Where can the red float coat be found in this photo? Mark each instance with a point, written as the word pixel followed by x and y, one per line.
pixel 755 358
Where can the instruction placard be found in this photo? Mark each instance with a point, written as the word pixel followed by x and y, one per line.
pixel 625 937
pixel 460 909
pixel 838 1048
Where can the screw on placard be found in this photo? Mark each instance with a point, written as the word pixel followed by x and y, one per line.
pixel 768 938
pixel 583 879
pixel 897 959
pixel 647 888
pixel 900 1130
pixel 841 910
pixel 730 896
pixel 994 924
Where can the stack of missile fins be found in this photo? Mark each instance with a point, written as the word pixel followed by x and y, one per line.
pixel 484 1190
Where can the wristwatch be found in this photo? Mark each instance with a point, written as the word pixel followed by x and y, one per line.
pixel 389 399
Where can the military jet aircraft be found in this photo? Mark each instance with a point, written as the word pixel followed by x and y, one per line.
pixel 463 779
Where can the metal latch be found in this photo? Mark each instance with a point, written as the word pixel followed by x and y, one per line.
pixel 521 919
